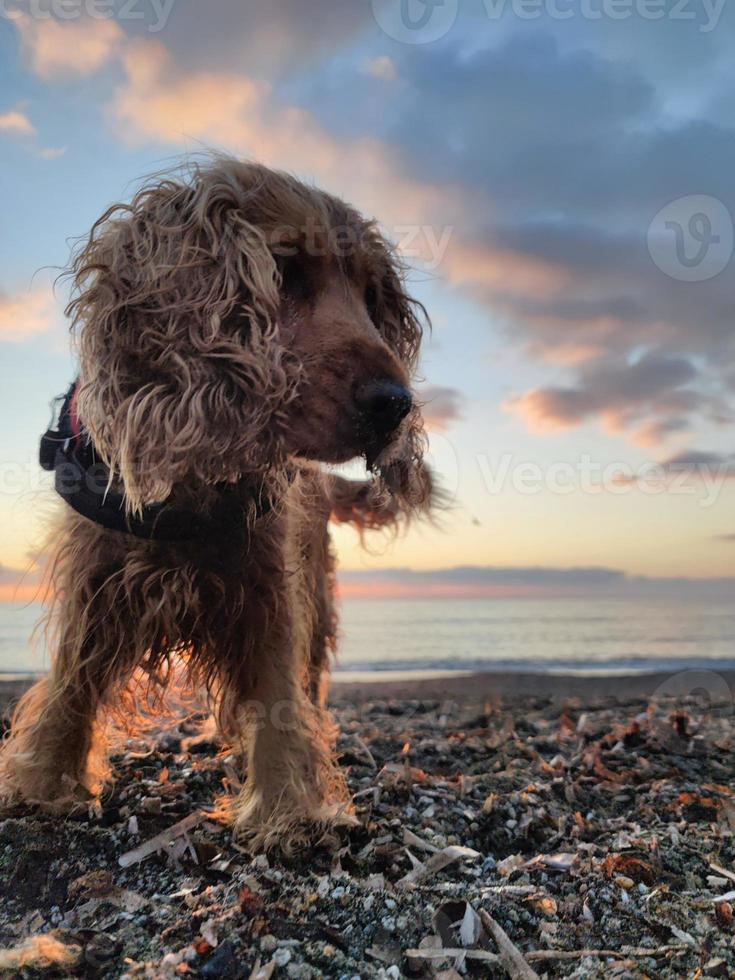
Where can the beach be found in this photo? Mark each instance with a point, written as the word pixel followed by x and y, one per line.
pixel 508 826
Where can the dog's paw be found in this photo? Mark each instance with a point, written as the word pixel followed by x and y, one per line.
pixel 289 825
pixel 24 782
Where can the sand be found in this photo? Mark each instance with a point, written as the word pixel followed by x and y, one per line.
pixel 508 826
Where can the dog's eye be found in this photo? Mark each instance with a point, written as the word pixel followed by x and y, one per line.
pixel 294 276
pixel 371 302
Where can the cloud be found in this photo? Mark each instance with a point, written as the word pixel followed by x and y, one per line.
pixel 162 104
pixel 567 156
pixel 618 392
pixel 267 40
pixel 52 152
pixel 701 462
pixel 25 314
pixel 549 222
pixel 440 406
pixel 16 122
pixel 489 113
pixel 383 68
pixel 485 581
pixel 710 470
pixel 656 431
pixel 55 49
pixel 725 538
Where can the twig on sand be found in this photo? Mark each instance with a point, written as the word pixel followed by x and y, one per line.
pixel 511 957
pixel 537 956
pixel 436 863
pixel 452 952
pixel 360 744
pixel 161 841
pixel 548 955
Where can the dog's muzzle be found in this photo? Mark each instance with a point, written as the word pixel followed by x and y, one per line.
pixel 382 405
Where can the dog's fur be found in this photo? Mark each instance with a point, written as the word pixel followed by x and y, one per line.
pixel 224 318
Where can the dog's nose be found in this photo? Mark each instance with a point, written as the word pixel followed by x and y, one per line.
pixel 383 404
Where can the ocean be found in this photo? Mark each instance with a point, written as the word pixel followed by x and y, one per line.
pixel 423 637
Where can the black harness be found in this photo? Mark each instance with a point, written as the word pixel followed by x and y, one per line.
pixel 82 479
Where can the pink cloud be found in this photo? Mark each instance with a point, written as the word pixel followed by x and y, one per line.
pixel 159 102
pixel 16 122
pixel 440 406
pixel 567 355
pixel 495 270
pixel 648 399
pixel 383 68
pixel 25 314
pixel 543 411
pixel 162 102
pixel 77 47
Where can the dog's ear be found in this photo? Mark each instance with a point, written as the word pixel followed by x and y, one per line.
pixel 401 318
pixel 175 308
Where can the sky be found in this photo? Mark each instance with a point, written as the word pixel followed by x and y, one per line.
pixel 558 173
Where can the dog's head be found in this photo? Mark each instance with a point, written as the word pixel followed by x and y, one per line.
pixel 234 318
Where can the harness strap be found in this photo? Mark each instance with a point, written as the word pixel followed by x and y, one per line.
pixel 82 480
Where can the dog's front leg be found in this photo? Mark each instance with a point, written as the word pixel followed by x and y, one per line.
pixel 55 752
pixel 294 793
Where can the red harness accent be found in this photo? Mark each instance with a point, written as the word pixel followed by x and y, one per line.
pixel 76 425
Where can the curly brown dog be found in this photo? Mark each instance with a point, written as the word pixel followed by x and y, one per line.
pixel 236 329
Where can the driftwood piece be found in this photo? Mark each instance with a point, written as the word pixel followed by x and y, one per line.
pixel 511 957
pixel 161 841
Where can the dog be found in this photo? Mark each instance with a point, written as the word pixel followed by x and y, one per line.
pixel 236 331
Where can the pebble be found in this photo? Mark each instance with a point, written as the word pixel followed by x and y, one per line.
pixel 624 882
pixel 716 882
pixel 282 956
pixel 268 943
